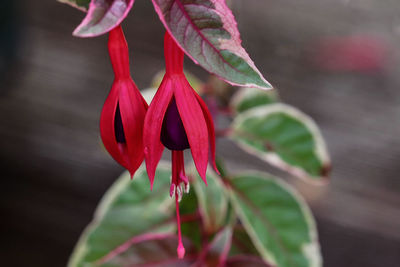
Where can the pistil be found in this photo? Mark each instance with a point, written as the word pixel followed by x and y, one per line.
pixel 179 184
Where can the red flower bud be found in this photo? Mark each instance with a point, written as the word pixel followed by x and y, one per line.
pixel 122 117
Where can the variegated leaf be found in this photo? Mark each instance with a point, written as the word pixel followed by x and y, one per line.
pixel 277 220
pixel 286 138
pixel 128 214
pixel 207 31
pixel 102 16
pixel 213 202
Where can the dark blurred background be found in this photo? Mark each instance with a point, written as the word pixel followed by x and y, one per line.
pixel 337 60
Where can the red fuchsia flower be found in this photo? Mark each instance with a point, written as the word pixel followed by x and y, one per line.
pixel 122 117
pixel 178 119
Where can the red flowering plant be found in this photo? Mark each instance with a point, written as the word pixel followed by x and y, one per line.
pixel 250 218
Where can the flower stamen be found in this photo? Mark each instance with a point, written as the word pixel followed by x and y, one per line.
pixel 179 185
pixel 180 249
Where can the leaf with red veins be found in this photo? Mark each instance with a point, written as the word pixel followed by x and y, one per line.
pixel 207 31
pixel 153 148
pixel 102 16
pixel 149 249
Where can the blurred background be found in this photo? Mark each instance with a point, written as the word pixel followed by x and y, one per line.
pixel 336 60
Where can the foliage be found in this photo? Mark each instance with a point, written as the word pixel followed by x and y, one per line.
pixel 133 225
pixel 250 218
pixel 285 137
pixel 205 29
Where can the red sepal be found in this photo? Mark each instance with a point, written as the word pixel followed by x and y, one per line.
pixel 194 123
pixel 132 107
pixel 153 147
pixel 211 131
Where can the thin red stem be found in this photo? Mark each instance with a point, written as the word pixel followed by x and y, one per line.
pixel 119 53
pixel 173 56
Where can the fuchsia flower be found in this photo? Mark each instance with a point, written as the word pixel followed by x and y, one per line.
pixel 122 117
pixel 178 119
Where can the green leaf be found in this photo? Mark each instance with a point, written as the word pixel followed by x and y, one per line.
pixel 241 243
pixel 102 16
pixel 79 4
pixel 128 209
pixel 277 220
pixel 213 202
pixel 207 31
pixel 286 138
pixel 246 98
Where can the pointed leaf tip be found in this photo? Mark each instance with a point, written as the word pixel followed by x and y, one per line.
pixel 218 46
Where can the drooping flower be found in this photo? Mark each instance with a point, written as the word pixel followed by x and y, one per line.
pixel 178 119
pixel 122 117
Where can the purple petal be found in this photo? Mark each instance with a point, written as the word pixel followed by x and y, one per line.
pixel 173 134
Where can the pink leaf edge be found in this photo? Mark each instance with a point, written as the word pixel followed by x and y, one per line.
pixel 103 17
pixel 233 44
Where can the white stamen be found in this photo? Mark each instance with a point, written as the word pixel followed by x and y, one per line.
pixel 172 190
pixel 179 193
pixel 187 188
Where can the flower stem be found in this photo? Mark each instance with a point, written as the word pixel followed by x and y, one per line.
pixel 173 55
